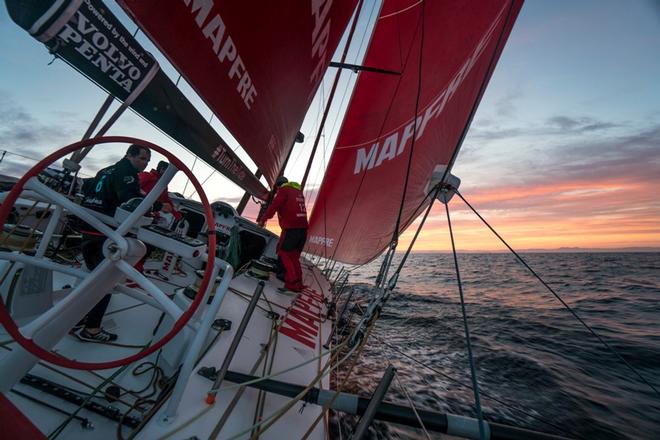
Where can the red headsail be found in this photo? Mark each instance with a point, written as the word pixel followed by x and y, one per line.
pixel 356 210
pixel 256 63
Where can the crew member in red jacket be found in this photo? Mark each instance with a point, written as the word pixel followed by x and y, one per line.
pixel 289 203
pixel 164 204
pixel 148 181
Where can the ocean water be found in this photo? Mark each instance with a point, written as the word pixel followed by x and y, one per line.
pixel 537 366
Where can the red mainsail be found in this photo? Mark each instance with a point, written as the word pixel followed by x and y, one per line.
pixel 257 64
pixel 355 214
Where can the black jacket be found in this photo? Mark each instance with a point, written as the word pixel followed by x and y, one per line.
pixel 111 187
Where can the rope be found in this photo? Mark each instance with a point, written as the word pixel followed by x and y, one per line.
pixel 185 187
pixel 395 277
pixel 395 234
pixel 231 387
pixel 232 405
pixel 473 373
pixel 341 386
pixel 364 172
pixel 142 400
pixel 556 295
pixel 58 430
pixel 267 369
pixel 29 237
pixel 279 413
pixel 412 405
pixel 246 297
pixel 75 379
pixel 559 429
pixel 334 125
pixel 260 379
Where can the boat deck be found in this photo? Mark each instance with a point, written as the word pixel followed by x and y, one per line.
pixel 299 339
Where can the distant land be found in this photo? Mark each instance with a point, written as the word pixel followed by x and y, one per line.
pixel 556 250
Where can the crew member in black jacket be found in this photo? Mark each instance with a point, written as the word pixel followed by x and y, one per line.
pixel 111 187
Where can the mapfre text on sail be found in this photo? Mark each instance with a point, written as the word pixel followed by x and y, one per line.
pixel 214 29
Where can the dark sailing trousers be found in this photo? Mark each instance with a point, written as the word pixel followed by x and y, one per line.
pixel 92 250
pixel 291 244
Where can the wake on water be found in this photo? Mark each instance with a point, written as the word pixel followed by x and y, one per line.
pixel 537 366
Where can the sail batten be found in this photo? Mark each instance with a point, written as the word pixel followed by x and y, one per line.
pixel 358 203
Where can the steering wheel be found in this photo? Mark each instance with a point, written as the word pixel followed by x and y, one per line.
pixel 118 250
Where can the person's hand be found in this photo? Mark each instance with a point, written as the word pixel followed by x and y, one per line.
pixel 261 223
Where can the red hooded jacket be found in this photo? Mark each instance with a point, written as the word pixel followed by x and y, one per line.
pixel 147 182
pixel 289 203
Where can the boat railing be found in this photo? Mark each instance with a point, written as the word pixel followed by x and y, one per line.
pixel 201 335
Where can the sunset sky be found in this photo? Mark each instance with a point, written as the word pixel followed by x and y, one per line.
pixel 564 150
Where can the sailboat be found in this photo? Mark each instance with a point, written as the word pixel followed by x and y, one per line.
pixel 210 348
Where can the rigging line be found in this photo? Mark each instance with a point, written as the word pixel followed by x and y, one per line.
pixel 58 430
pixel 560 429
pixel 185 187
pixel 395 276
pixel 337 118
pixel 340 386
pixel 412 405
pixel 333 89
pixel 195 161
pixel 16 154
pixel 206 409
pixel 316 126
pixel 395 234
pixel 364 171
pixel 229 409
pixel 324 164
pixel 308 192
pixel 556 295
pixel 213 171
pixel 276 415
pixel 398 25
pixel 357 54
pixel 482 89
pixel 400 11
pixel 473 372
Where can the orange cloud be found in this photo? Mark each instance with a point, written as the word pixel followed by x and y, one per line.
pixel 588 214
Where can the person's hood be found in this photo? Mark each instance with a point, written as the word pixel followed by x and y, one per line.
pixel 294 185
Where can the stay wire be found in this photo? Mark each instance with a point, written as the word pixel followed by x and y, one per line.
pixel 475 384
pixel 556 295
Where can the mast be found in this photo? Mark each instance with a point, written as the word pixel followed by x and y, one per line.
pixel 356 16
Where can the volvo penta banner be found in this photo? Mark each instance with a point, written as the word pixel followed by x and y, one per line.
pixel 87 36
